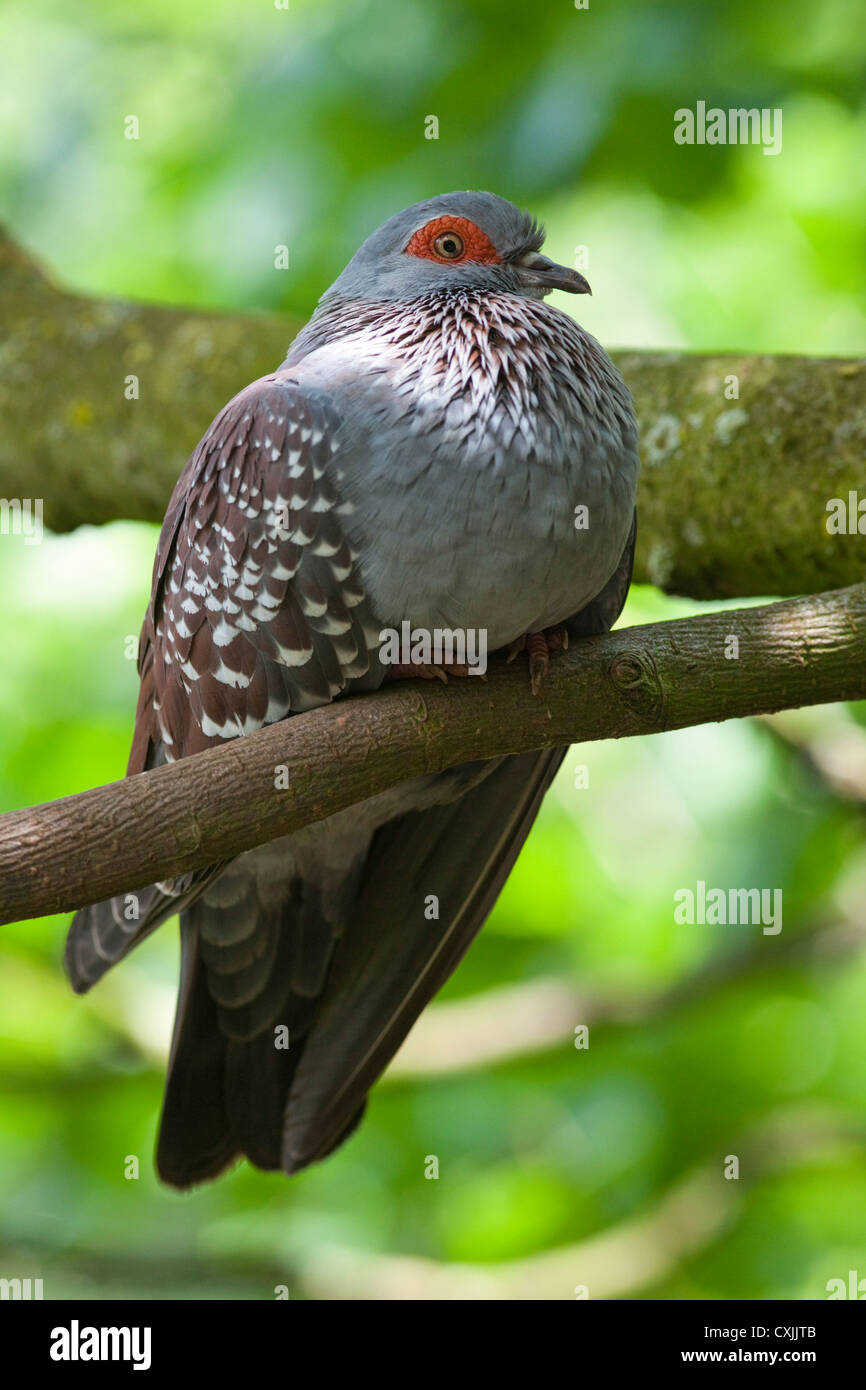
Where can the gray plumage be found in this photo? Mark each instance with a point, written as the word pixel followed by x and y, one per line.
pixel 418 456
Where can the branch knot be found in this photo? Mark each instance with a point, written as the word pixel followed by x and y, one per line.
pixel 635 676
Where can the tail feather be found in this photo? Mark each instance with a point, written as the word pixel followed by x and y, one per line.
pixel 103 933
pixel 239 1032
pixel 257 1081
pixel 196 1141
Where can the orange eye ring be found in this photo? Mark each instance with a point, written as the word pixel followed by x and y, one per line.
pixel 449 246
pixel 452 240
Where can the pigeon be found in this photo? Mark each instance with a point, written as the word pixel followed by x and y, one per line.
pixel 440 447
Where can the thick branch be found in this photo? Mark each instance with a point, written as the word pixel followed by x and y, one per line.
pixel 733 493
pixel 635 681
pixel 732 497
pixel 68 433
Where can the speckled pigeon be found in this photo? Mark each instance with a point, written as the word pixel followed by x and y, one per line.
pixel 419 456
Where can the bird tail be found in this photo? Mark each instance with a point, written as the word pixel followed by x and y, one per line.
pixel 285 1019
pixel 251 975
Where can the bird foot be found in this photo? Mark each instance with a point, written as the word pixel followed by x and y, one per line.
pixel 541 646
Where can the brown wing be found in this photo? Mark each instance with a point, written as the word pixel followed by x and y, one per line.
pixel 256 612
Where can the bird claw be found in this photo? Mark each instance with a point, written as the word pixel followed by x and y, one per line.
pixel 540 646
pixel 539 665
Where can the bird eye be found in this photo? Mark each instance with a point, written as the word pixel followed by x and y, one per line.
pixel 449 246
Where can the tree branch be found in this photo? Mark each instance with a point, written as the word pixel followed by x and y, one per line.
pixel 733 492
pixel 630 682
pixel 68 433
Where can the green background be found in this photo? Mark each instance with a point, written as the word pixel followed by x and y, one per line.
pixel 557 1167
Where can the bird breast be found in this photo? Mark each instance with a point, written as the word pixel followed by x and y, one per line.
pixel 487 455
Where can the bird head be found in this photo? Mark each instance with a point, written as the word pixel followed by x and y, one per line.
pixel 456 241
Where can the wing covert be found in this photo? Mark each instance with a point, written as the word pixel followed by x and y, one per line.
pixel 257 611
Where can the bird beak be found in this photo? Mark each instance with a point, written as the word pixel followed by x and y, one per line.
pixel 537 272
